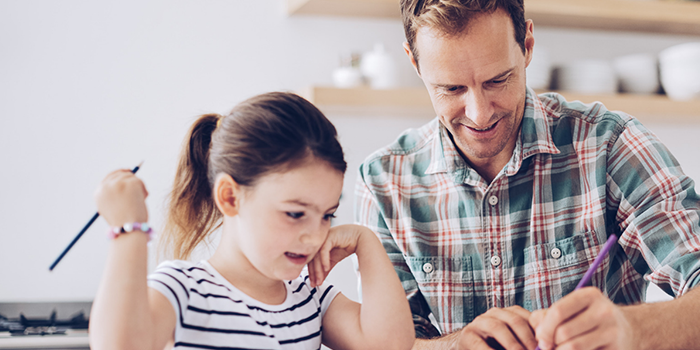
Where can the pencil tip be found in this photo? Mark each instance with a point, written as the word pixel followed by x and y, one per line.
pixel 140 164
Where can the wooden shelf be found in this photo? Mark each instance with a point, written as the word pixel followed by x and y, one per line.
pixel 656 16
pixel 346 8
pixel 410 102
pixel 415 102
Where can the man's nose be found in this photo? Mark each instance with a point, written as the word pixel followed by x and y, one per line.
pixel 478 108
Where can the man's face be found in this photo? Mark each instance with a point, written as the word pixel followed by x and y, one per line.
pixel 476 81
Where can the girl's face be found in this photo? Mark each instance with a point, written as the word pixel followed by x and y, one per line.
pixel 284 219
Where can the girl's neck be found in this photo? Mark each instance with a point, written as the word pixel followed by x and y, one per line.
pixel 237 270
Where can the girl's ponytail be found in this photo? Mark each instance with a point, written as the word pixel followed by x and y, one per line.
pixel 192 213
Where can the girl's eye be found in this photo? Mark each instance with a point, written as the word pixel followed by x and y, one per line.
pixel 295 214
pixel 329 216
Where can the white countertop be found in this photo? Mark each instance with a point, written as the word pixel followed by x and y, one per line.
pixel 72 338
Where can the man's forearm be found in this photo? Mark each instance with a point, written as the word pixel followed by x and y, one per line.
pixel 666 325
pixel 441 343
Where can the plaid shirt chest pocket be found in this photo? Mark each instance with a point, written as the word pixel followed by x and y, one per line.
pixel 553 270
pixel 448 287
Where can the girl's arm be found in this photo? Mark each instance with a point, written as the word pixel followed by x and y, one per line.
pixel 383 320
pixel 126 314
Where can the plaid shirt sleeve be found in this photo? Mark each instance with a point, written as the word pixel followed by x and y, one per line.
pixel 367 214
pixel 657 210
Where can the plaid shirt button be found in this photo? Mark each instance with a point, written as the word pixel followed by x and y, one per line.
pixel 495 260
pixel 556 253
pixel 493 200
pixel 427 267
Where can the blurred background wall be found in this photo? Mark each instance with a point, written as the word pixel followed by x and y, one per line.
pixel 90 86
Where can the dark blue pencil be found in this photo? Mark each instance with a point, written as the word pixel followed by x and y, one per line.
pixel 94 217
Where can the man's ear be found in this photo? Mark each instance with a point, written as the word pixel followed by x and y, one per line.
pixel 227 195
pixel 529 41
pixel 409 53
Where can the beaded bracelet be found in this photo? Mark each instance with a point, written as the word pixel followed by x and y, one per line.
pixel 130 227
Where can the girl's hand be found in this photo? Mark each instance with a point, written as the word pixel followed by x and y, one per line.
pixel 341 242
pixel 121 198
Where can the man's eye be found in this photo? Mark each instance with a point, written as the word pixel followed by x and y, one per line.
pixel 295 214
pixel 454 88
pixel 499 81
pixel 329 216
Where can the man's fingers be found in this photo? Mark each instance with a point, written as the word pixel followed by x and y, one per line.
pixel 590 340
pixel 536 318
pixel 519 321
pixel 564 309
pixel 516 320
pixel 584 322
pixel 471 341
pixel 491 327
pixel 519 310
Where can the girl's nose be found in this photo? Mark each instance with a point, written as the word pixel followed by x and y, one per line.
pixel 314 236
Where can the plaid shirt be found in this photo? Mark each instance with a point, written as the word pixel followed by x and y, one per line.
pixel 578 174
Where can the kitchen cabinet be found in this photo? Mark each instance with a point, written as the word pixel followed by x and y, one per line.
pixel 415 102
pixel 655 16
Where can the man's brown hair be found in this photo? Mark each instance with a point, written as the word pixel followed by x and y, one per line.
pixel 451 17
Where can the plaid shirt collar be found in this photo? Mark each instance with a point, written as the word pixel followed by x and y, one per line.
pixel 535 137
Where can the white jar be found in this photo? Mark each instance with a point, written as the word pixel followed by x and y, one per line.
pixel 379 68
pixel 347 77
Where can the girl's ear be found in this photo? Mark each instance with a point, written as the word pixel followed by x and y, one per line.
pixel 227 194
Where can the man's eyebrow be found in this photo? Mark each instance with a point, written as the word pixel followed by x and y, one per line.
pixel 496 77
pixel 503 74
pixel 446 86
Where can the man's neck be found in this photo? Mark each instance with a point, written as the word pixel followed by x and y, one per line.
pixel 489 168
pixel 488 172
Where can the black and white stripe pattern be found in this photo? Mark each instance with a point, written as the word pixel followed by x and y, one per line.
pixel 213 314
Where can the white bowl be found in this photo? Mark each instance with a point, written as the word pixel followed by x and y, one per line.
pixel 588 76
pixel 688 53
pixel 679 68
pixel 637 73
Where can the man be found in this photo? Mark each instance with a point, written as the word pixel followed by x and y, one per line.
pixel 493 212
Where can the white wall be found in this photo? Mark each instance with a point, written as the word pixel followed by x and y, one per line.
pixel 90 86
pixel 86 87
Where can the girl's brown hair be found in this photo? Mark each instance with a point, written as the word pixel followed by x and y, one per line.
pixel 268 133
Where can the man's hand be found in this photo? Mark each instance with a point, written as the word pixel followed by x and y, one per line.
pixel 508 327
pixel 584 319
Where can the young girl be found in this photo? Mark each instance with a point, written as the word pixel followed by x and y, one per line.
pixel 270 175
